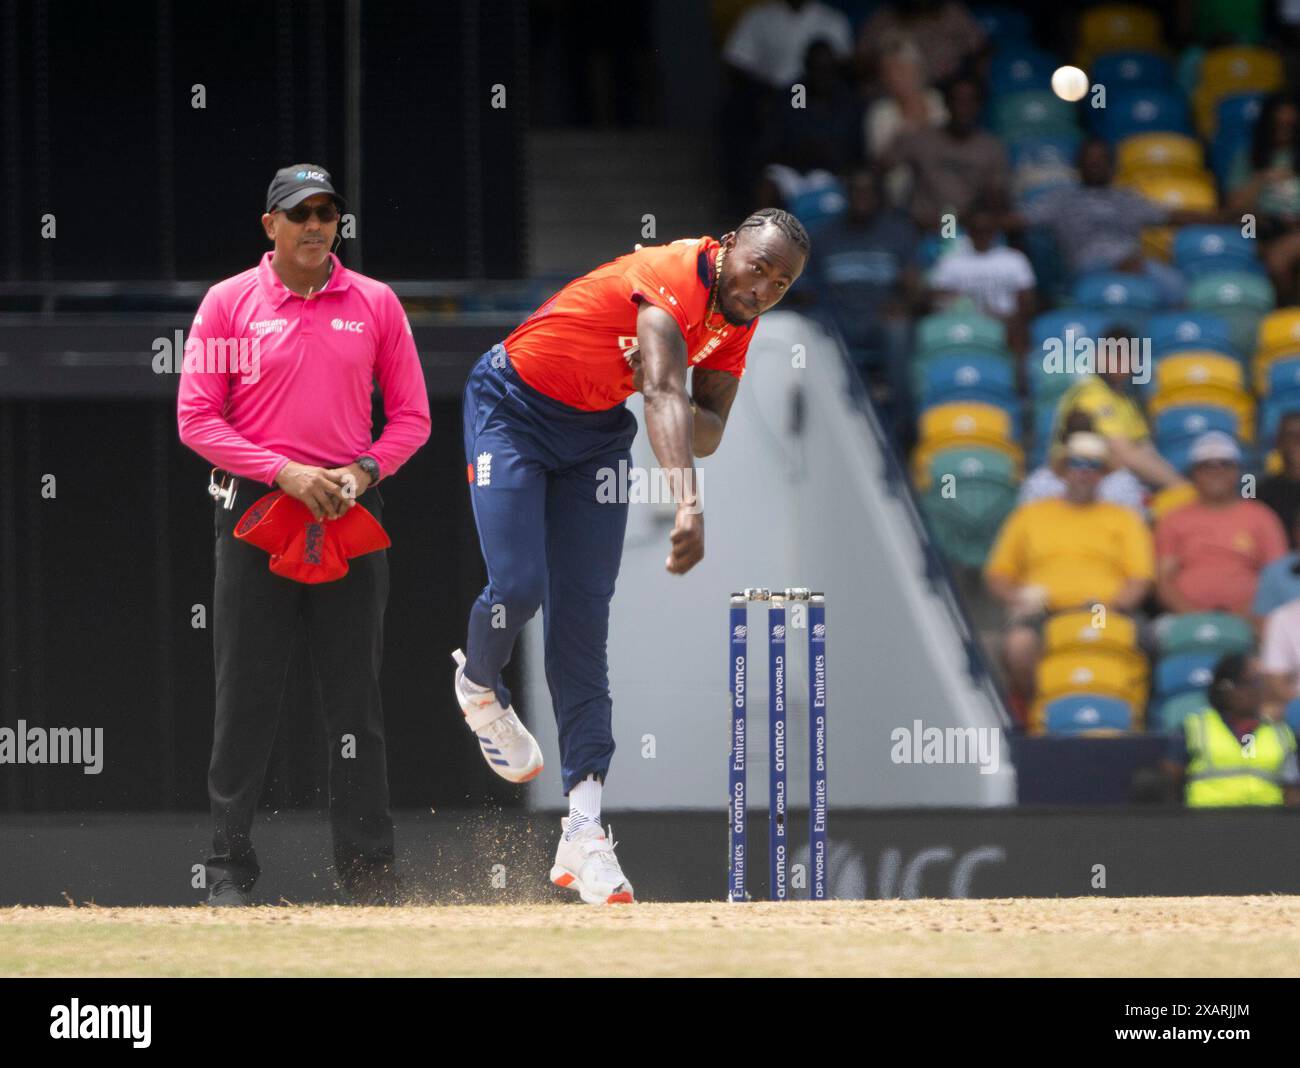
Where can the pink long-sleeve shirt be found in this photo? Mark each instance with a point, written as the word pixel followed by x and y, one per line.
pixel 269 376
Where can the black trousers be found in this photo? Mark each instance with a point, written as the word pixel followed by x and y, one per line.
pixel 255 617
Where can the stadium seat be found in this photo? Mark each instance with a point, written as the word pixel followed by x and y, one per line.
pixel 1205 633
pixel 1020 69
pixel 1173 331
pixel 1111 28
pixel 1271 411
pixel 1200 250
pixel 1032 113
pixel 960 331
pixel 1054 324
pixel 1146 70
pixel 1279 331
pixel 1159 152
pixel 979 377
pixel 1237 401
pixel 1131 297
pixel 1235 118
pixel 1169 715
pixel 1076 630
pixel 926 452
pixel 1182 672
pixel 1240 297
pixel 1191 421
pixel 1177 191
pixel 1197 369
pixel 965 513
pixel 1054 151
pixel 1007 28
pixel 962 420
pixel 1229 72
pixel 1141 110
pixel 972 463
pixel 1120 675
pixel 1082 713
pixel 818 205
pixel 1282 378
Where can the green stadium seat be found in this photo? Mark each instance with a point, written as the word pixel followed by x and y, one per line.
pixel 960 331
pixel 1172 711
pixel 1204 632
pixel 965 524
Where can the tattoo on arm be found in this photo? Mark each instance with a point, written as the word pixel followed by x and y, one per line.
pixel 714 391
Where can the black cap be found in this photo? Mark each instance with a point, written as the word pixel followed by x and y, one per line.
pixel 295 183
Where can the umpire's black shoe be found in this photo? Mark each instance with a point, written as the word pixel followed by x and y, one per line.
pixel 224 892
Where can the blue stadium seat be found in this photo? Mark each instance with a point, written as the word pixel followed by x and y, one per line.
pixel 1079 713
pixel 1284 378
pixel 1199 250
pixel 1014 70
pixel 1147 70
pixel 1174 331
pixel 819 204
pixel 1183 672
pixel 1141 110
pixel 1054 324
pixel 977 376
pixel 1059 150
pixel 1171 712
pixel 1235 118
pixel 1008 28
pixel 1193 420
pixel 1130 297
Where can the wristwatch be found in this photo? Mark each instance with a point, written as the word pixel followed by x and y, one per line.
pixel 369 465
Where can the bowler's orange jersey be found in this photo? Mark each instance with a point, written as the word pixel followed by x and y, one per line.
pixel 576 347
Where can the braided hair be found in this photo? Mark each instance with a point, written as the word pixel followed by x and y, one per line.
pixel 791 227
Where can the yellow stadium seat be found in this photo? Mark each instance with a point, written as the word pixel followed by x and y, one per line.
pixel 925 451
pixel 1117 28
pixel 1125 675
pixel 1229 71
pixel 1237 401
pixel 1199 369
pixel 1157 152
pixel 1279 331
pixel 965 419
pixel 1170 499
pixel 1192 190
pixel 1079 630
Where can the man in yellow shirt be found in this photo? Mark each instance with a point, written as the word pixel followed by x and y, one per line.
pixel 1115 414
pixel 1064 553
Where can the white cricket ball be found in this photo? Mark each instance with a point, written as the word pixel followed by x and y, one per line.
pixel 1069 83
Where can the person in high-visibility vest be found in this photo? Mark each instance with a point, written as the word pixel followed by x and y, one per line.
pixel 1229 754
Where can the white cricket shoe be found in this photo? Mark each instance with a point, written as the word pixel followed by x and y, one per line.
pixel 503 740
pixel 586 863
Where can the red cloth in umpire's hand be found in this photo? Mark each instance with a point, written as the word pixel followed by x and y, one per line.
pixel 304 548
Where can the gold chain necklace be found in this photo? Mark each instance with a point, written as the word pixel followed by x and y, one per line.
pixel 717 288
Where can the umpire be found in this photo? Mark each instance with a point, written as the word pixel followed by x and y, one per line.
pixel 275 392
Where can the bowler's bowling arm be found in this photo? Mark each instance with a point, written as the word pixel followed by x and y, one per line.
pixel 667 407
pixel 713 393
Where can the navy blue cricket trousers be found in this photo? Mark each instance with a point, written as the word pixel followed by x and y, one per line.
pixel 549 542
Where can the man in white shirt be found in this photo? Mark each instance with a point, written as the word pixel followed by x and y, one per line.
pixel 769 41
pixel 999 279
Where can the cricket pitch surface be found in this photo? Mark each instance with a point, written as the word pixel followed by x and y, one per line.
pixel 1246 936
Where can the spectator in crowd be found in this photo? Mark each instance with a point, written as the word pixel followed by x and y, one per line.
pixel 1106 396
pixel 1266 184
pixel 1061 553
pixel 954 166
pixel 1210 553
pixel 1099 227
pixel 1281 492
pixel 823 136
pixel 1118 486
pixel 763 56
pixel 998 278
pixel 903 103
pixel 945 33
pixel 865 276
pixel 1230 754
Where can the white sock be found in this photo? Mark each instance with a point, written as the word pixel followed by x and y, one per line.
pixel 584 805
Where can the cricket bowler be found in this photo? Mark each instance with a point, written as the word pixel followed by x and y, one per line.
pixel 544 414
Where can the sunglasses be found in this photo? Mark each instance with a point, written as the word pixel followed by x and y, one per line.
pixel 1217 464
pixel 1084 465
pixel 300 213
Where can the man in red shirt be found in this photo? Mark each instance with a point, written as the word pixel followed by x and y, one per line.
pixel 545 424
